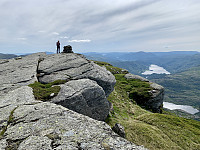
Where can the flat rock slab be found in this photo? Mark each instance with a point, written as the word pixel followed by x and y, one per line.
pixel 84 96
pixel 72 67
pixel 13 99
pixel 44 125
pixel 17 73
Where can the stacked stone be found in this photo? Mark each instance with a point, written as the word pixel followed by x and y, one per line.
pixel 67 49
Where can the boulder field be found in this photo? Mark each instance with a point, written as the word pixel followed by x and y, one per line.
pixel 69 120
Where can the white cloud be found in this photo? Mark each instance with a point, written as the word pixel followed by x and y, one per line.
pixel 55 33
pixel 64 37
pixel 79 41
pixel 133 25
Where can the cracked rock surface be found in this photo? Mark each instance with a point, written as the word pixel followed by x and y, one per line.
pixel 90 101
pixel 36 125
pixel 16 73
pixel 74 66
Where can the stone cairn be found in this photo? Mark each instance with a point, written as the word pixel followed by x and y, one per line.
pixel 67 49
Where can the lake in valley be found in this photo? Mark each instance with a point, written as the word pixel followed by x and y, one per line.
pixel 155 69
pixel 188 109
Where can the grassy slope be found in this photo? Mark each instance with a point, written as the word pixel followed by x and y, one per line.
pixel 154 131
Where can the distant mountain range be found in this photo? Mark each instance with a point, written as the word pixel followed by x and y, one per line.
pixel 173 62
pixel 9 56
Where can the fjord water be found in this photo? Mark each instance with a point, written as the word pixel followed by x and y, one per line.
pixel 188 109
pixel 155 69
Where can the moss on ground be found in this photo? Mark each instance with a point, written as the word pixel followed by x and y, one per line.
pixel 43 91
pixel 9 121
pixel 154 131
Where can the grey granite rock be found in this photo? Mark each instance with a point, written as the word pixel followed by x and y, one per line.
pixel 48 68
pixel 132 76
pixel 84 96
pixel 3 144
pixel 44 125
pixel 12 100
pixel 29 124
pixel 36 143
pixel 156 101
pixel 74 66
pixel 16 73
pixel 119 129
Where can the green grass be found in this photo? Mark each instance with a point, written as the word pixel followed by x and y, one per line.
pixel 112 69
pixel 183 132
pixel 155 131
pixel 136 89
pixel 9 121
pixel 42 91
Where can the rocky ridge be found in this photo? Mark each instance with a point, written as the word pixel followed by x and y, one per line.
pixel 26 123
pixel 157 94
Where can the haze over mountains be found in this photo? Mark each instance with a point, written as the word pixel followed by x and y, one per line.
pixel 172 61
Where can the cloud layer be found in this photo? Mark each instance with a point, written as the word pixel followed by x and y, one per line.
pixel 101 26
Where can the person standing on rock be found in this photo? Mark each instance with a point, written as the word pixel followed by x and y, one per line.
pixel 58 47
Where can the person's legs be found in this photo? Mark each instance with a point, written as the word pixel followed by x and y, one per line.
pixel 59 49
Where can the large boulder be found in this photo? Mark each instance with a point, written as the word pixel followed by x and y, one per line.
pixel 90 101
pixel 119 129
pixel 34 125
pixel 72 67
pixel 84 96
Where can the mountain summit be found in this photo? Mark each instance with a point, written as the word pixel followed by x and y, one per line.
pixel 34 118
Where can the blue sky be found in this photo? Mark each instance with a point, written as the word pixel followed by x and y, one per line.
pixel 99 26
